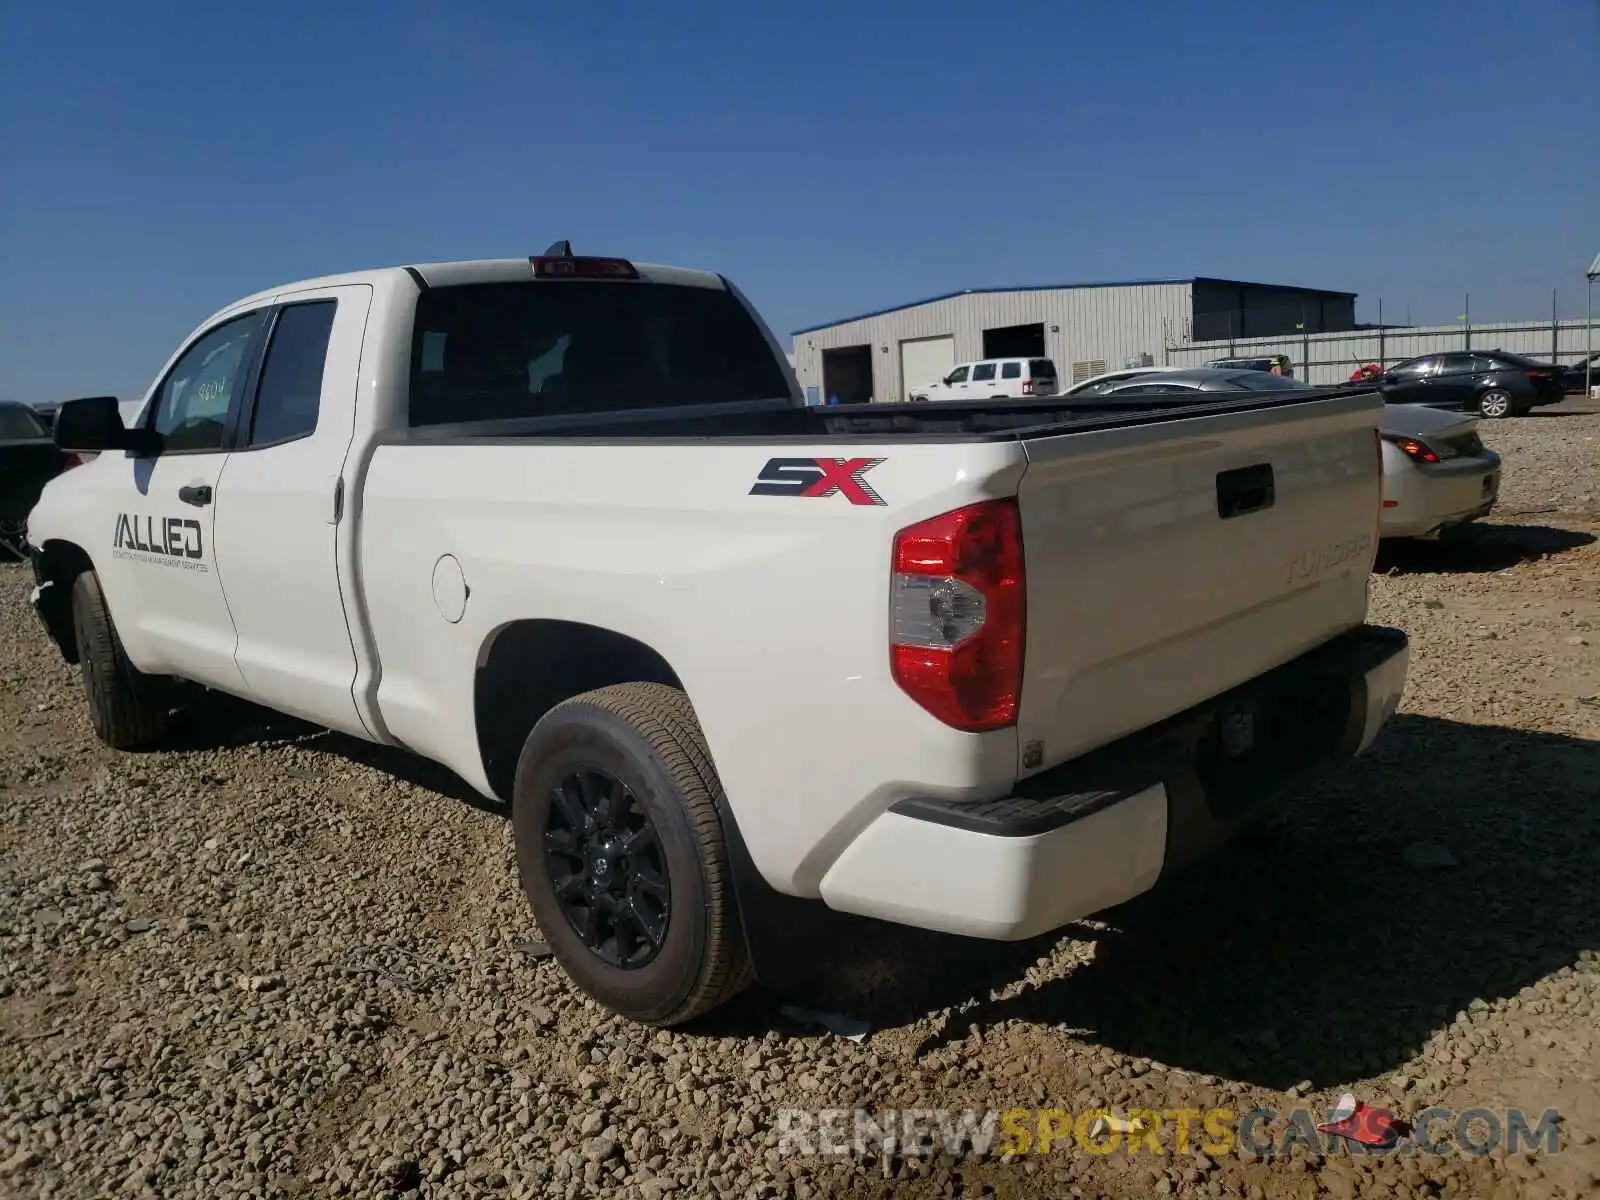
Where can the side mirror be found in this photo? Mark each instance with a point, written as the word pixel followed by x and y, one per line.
pixel 94 425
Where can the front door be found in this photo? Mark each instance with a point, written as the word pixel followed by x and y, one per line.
pixel 161 578
pixel 1409 383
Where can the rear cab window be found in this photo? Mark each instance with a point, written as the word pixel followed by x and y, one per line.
pixel 1042 368
pixel 502 351
pixel 1011 370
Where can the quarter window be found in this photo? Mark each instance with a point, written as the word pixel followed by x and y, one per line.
pixel 291 378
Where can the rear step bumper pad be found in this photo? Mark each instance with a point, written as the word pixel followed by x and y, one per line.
pixel 1094 833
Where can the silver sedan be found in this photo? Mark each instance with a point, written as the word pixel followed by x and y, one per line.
pixel 1437 473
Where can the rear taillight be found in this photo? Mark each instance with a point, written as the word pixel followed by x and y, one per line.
pixel 958 615
pixel 1027 387
pixel 73 460
pixel 1414 450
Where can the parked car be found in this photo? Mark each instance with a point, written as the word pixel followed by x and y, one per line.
pixel 1437 473
pixel 1203 379
pixel 1493 383
pixel 1096 384
pixel 29 459
pixel 1575 377
pixel 993 379
pixel 563 525
pixel 1276 364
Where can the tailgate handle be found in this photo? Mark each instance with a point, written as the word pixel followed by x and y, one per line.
pixel 1245 490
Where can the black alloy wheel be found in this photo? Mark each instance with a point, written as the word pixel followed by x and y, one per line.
pixel 608 868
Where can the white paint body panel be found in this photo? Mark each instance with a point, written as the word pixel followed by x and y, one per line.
pixel 772 611
pixel 276 545
pixel 1143 602
pixel 1006 888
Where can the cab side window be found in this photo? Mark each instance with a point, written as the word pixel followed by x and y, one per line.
pixel 983 372
pixel 291 377
pixel 191 407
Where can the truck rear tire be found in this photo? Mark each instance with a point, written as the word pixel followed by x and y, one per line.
pixel 621 855
pixel 125 704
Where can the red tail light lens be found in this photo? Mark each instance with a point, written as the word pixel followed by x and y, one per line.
pixel 958 615
pixel 73 460
pixel 1414 449
pixel 1027 387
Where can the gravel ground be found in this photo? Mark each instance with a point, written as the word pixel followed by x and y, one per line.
pixel 273 961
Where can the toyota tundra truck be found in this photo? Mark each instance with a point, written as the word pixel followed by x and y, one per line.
pixel 566 526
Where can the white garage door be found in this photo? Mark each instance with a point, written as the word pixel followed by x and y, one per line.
pixel 924 361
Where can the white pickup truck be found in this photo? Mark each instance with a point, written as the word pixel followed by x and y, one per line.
pixel 566 526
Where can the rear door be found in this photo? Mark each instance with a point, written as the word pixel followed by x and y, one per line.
pixel 984 384
pixel 1045 382
pixel 1011 376
pixel 280 503
pixel 1455 384
pixel 1169 562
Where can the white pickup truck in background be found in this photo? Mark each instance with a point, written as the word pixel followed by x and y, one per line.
pixel 565 526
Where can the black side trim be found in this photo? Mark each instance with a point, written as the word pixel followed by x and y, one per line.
pixel 1014 816
pixel 416 278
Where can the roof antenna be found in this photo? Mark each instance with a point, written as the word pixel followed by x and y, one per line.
pixel 561 249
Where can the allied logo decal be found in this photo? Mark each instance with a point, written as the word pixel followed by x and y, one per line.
pixel 160 541
pixel 818 477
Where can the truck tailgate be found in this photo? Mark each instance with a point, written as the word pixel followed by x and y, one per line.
pixel 1169 562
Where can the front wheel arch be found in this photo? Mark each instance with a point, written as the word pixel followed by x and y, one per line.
pixel 56 567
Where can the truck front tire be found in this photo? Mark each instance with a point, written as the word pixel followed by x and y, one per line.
pixel 125 705
pixel 622 857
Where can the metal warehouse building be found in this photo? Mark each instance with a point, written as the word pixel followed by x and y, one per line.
pixel 1086 328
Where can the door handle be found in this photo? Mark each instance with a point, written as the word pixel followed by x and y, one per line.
pixel 197 494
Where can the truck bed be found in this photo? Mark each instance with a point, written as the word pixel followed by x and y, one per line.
pixel 994 421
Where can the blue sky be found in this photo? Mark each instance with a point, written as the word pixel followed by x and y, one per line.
pixel 158 160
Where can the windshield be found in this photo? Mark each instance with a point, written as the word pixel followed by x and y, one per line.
pixel 495 351
pixel 18 424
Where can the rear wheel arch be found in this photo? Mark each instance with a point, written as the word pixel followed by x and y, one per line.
pixel 526 668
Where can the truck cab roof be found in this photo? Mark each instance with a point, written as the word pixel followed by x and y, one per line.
pixel 466 271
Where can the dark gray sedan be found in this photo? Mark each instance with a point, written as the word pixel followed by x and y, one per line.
pixel 28 460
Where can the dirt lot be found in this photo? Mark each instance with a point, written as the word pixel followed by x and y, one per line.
pixel 273 961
